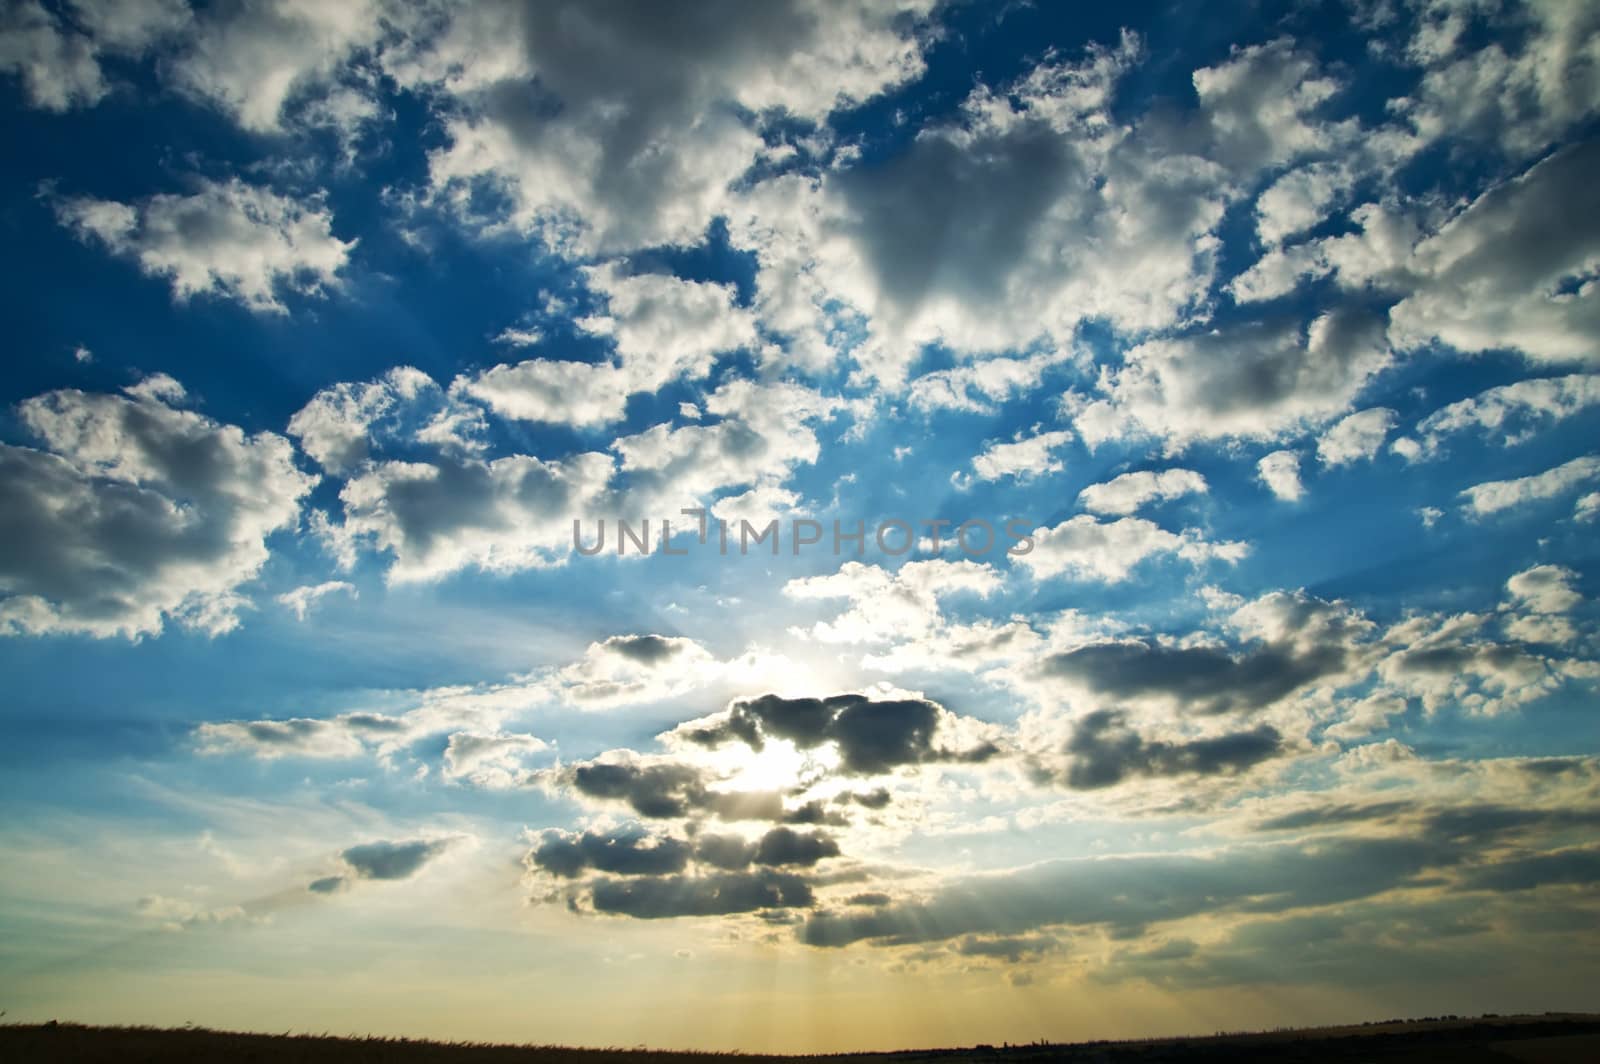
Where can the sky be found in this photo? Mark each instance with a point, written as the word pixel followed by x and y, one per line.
pixel 811 525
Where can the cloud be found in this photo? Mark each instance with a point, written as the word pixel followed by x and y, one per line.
pixel 1511 409
pixel 137 513
pixel 886 605
pixel 1515 270
pixel 871 736
pixel 393 860
pixel 1127 493
pixel 1051 213
pixel 1103 752
pixel 237 241
pixel 339 424
pixel 273 64
pixel 626 852
pixel 303 599
pixel 1545 588
pixel 1496 495
pixel 59 68
pixel 494 760
pixel 1261 380
pixel 1027 457
pixel 717 894
pixel 1280 472
pixel 1299 200
pixel 1129 893
pixel 663 328
pixel 1355 437
pixel 663 789
pixel 1084 548
pixel 613 127
pixel 341 737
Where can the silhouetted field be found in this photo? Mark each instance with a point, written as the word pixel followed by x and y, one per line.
pixel 1565 1038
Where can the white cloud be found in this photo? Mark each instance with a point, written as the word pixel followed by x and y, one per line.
pixel 496 760
pixel 1355 437
pixel 663 329
pixel 1054 215
pixel 1515 270
pixel 303 599
pixel 59 68
pixel 621 127
pixel 975 387
pixel 1511 408
pixel 137 513
pixel 256 61
pixel 1299 200
pixel 1280 472
pixel 1262 381
pixel 1125 494
pixel 234 240
pixel 1028 457
pixel 890 606
pixel 1496 495
pixel 1084 548
pixel 335 426
pixel 1545 589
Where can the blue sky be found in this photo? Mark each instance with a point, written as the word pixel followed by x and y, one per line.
pixel 1270 328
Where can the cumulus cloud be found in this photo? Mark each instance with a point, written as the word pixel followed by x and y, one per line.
pixel 614 126
pixel 1128 493
pixel 663 788
pixel 1025 457
pixel 1085 548
pixel 495 760
pixel 302 600
pixel 1280 472
pixel 871 736
pixel 1355 437
pixel 393 860
pixel 1262 380
pixel 663 328
pixel 1053 213
pixel 886 605
pixel 237 241
pixel 1290 643
pixel 137 512
pixel 59 68
pixel 339 424
pixel 1510 412
pixel 1104 751
pixel 1515 270
pixel 1496 495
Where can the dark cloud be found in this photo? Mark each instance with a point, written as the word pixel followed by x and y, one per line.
pixel 1206 680
pixel 664 897
pixel 666 789
pixel 953 219
pixel 785 846
pixel 644 649
pixel 1104 751
pixel 870 898
pixel 816 812
pixel 1125 894
pixel 731 853
pixel 1012 948
pixel 393 860
pixel 1569 867
pixel 1321 816
pixel 873 737
pixel 878 799
pixel 625 852
pixel 327 885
